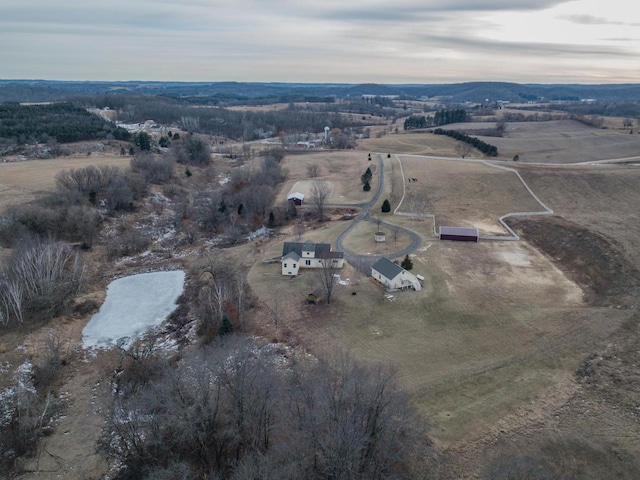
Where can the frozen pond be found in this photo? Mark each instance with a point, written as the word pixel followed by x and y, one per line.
pixel 133 305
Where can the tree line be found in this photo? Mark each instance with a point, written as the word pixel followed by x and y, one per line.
pixel 486 148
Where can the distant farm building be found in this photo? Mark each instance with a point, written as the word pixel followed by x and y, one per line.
pixel 393 276
pixel 308 255
pixel 296 197
pixel 460 234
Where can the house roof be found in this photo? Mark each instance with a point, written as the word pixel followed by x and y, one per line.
pixel 387 268
pixel 324 254
pixel 291 255
pixel 297 195
pixel 319 249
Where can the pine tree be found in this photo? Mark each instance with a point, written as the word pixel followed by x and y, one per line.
pixel 407 263
pixel 386 206
pixel 226 327
pixel 366 186
pixel 272 220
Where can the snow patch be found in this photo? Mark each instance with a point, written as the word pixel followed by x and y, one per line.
pixel 261 232
pixel 134 304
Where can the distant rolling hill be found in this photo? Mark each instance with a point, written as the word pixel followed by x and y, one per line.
pixel 49 90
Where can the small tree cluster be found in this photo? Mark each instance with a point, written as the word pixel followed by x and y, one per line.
pixel 444 116
pixel 414 122
pixel 192 150
pixel 153 169
pixel 142 141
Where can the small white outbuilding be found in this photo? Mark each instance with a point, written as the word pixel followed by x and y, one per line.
pixel 393 276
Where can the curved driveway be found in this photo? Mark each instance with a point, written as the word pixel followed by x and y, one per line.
pixel 364 262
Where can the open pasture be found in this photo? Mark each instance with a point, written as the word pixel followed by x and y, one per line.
pixel 603 198
pixel 410 143
pixel 466 194
pixel 564 141
pixel 552 142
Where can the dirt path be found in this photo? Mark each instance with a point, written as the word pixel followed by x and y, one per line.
pixel 70 451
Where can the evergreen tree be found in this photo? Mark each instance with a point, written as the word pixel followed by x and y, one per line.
pixel 366 176
pixel 143 140
pixel 272 220
pixel 366 186
pixel 386 206
pixel 407 263
pixel 226 327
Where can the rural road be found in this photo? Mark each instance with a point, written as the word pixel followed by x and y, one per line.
pixel 363 263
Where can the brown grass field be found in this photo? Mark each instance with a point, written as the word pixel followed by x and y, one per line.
pixel 554 142
pixel 489 350
pixel 342 169
pixel 21 182
pixel 464 194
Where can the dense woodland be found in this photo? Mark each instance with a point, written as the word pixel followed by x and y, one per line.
pixel 61 122
pixel 234 409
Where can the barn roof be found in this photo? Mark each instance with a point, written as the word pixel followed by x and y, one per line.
pixel 298 195
pixel 387 268
pixel 460 231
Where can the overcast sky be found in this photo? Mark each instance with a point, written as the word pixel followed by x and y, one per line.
pixel 346 41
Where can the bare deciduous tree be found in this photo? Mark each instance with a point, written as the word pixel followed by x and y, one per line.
pixel 313 170
pixel 320 191
pixel 298 230
pixel 327 276
pixel 463 149
pixel 41 280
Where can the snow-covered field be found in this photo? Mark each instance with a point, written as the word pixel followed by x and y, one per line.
pixel 133 305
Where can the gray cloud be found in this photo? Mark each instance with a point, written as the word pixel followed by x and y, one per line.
pixel 286 40
pixel 593 20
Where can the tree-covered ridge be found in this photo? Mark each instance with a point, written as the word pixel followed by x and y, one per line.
pixel 239 125
pixel 63 122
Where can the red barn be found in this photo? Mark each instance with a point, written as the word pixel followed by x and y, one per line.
pixel 459 234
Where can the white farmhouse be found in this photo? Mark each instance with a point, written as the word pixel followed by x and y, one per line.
pixel 308 255
pixel 393 276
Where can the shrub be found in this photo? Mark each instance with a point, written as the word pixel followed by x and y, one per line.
pixel 41 281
